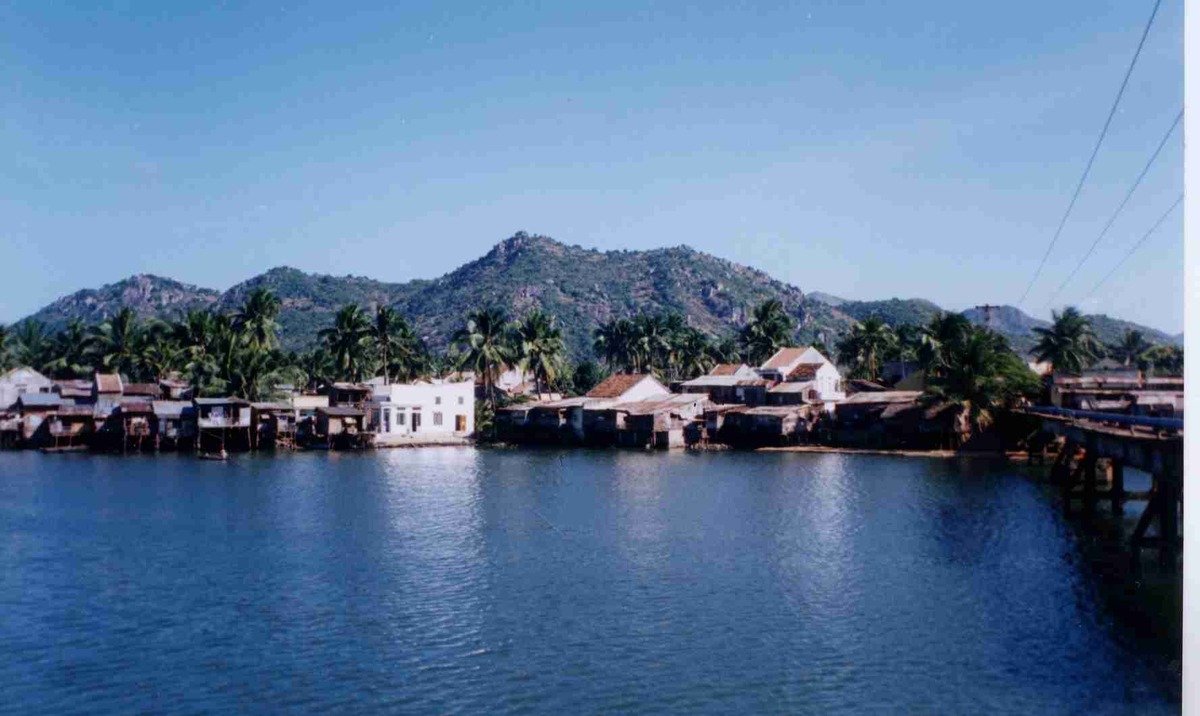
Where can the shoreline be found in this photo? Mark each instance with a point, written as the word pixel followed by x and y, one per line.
pixel 1014 456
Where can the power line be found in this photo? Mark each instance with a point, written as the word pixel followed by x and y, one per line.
pixel 1087 169
pixel 1113 218
pixel 1135 247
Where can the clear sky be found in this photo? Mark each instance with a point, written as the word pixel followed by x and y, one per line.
pixel 865 149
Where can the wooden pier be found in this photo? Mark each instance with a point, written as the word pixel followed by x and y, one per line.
pixel 1095 451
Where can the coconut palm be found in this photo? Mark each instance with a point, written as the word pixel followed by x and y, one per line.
pixel 486 345
pixel 31 345
pixel 348 343
pixel 695 354
pixel 613 342
pixel 866 347
pixel 70 352
pixel 944 332
pixel 1166 360
pixel 653 337
pixel 1069 344
pixel 116 344
pixel 401 353
pixel 1132 350
pixel 539 348
pixel 256 319
pixel 979 374
pixel 162 355
pixel 769 329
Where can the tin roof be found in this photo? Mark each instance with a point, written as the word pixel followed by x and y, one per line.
pixel 801 387
pixel 221 401
pixel 341 412
pixel 171 408
pixel 108 383
pixel 887 396
pixel 136 406
pixel 40 400
pixel 267 407
pixel 657 405
pixel 143 389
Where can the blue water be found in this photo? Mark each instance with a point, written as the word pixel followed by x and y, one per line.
pixel 463 581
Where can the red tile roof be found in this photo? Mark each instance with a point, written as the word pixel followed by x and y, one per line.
pixel 784 357
pixel 726 369
pixel 804 371
pixel 614 386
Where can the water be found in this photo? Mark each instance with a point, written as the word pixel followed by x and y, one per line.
pixel 463 581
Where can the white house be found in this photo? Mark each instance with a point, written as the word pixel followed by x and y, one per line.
pixel 424 408
pixel 18 382
pixel 806 365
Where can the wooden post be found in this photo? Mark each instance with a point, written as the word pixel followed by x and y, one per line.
pixel 1117 491
pixel 1089 478
pixel 1168 519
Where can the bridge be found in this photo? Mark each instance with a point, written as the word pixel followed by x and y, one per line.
pixel 1096 449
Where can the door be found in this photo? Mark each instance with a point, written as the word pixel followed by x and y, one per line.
pixel 416 421
pixel 460 423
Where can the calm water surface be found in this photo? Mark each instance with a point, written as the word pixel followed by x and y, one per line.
pixel 462 581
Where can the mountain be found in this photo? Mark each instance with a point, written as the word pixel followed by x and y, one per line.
pixel 582 287
pixel 147 295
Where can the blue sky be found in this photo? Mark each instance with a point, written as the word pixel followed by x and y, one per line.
pixel 865 149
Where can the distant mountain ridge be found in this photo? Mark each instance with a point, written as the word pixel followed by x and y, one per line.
pixel 582 287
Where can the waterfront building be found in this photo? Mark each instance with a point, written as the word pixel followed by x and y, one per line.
pixel 433 408
pixel 222 423
pixel 175 423
pixel 658 421
pixel 735 383
pixel 18 382
pixel 74 391
pixel 806 365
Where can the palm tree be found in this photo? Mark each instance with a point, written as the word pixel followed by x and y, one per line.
pixel 1132 350
pixel 769 329
pixel 945 332
pixel 652 342
pixel 348 342
pixel 487 345
pixel 1068 344
pixel 162 356
pixel 116 344
pixel 695 354
pixel 401 353
pixel 31 345
pixel 70 352
pixel 866 346
pixel 979 374
pixel 5 355
pixel 587 375
pixel 1167 360
pixel 256 319
pixel 616 343
pixel 539 348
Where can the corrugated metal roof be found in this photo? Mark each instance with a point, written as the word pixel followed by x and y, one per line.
pixel 143 389
pixel 222 401
pixel 656 405
pixel 108 383
pixel 171 408
pixel 40 400
pixel 341 411
pixel 793 387
pixel 888 396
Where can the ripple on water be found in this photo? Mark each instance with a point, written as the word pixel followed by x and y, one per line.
pixel 543 582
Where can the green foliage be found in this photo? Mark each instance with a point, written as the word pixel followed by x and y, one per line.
pixel 1069 344
pixel 769 329
pixel 979 373
pixel 587 375
pixel 662 344
pixel 538 348
pixel 866 347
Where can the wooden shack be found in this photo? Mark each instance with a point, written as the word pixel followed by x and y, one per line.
pixel 222 423
pixel 340 427
pixel 175 424
pixel 274 425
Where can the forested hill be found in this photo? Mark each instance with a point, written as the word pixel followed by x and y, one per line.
pixel 582 287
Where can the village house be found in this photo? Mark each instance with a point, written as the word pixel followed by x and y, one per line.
pixel 175 423
pixel 222 423
pixel 821 378
pixel 18 382
pixel 74 391
pixel 274 425
pixel 34 410
pixel 658 421
pixel 403 412
pixel 70 427
pixel 355 395
pixel 568 419
pixel 1119 391
pixel 730 383
pixel 339 426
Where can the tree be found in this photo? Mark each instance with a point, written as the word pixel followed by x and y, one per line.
pixel 5 354
pixel 695 354
pixel 1132 350
pixel 256 320
pixel 944 333
pixel 348 342
pixel 539 348
pixel 401 353
pixel 1069 344
pixel 616 344
pixel 979 374
pixel 116 344
pixel 865 348
pixel 588 375
pixel 486 346
pixel 769 329
pixel 1166 360
pixel 31 346
pixel 70 352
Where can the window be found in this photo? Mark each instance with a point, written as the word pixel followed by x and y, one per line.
pixel 437 418
pixel 401 417
pixel 437 400
pixel 460 400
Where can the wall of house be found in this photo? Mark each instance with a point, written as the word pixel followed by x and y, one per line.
pixel 444 408
pixel 828 381
pixel 647 388
pixel 19 381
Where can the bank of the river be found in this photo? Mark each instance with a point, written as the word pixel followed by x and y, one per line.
pixel 1015 456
